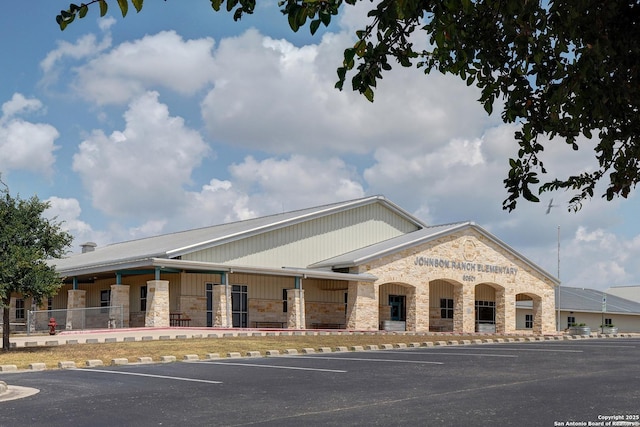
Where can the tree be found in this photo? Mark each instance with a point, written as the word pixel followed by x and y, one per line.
pixel 27 241
pixel 563 70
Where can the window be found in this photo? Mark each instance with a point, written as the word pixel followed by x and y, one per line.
pixel 19 308
pixel 446 308
pixel 284 301
pixel 397 307
pixel 346 302
pixel 571 320
pixel 528 321
pixel 143 298
pixel 105 299
pixel 608 322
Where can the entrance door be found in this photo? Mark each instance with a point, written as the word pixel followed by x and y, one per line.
pixel 485 316
pixel 397 305
pixel 239 306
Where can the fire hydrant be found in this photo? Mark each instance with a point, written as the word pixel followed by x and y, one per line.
pixel 52 326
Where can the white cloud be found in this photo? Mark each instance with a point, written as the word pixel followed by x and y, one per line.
pixel 272 185
pixel 25 145
pixel 287 95
pixel 19 104
pixel 86 46
pixel 141 170
pixel 163 60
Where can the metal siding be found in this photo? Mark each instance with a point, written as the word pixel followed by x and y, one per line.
pixel 262 287
pixel 314 291
pixel 302 244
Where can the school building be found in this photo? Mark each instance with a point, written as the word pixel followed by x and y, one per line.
pixel 362 264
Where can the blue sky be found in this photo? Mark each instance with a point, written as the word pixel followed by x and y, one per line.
pixel 179 117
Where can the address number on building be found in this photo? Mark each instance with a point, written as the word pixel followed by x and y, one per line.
pixel 468 278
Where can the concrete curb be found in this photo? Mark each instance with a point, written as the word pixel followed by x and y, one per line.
pixel 39 366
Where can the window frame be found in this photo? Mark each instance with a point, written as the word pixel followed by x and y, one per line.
pixel 446 308
pixel 20 308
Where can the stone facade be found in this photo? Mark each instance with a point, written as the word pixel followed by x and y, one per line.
pixel 76 298
pixel 221 314
pixel 295 309
pixel 465 260
pixel 120 306
pixel 157 314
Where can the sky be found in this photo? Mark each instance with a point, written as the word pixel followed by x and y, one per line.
pixel 178 117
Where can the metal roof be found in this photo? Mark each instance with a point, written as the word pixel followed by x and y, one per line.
pixel 580 299
pixel 136 253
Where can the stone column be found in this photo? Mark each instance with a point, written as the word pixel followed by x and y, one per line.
pixel 505 317
pixel 537 315
pixel 220 307
pixel 76 299
pixel 120 309
pixel 464 319
pixel 549 315
pixel 296 318
pixel 157 314
pixel 418 309
pixel 362 306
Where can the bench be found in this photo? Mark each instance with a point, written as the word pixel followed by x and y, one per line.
pixel 178 319
pixel 327 326
pixel 279 325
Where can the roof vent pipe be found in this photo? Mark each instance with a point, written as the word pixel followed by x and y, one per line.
pixel 88 247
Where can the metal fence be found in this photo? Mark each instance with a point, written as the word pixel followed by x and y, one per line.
pixel 108 317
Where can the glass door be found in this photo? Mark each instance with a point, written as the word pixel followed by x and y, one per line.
pixel 239 305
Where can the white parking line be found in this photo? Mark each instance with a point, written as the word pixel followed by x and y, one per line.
pixel 359 359
pixel 255 365
pixel 137 374
pixel 448 354
pixel 520 349
pixel 591 344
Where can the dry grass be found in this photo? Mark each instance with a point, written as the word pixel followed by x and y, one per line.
pixel 79 353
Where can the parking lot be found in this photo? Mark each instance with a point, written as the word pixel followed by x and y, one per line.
pixel 543 383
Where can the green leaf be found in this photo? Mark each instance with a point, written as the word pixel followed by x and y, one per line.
pixel 103 8
pixel 215 4
pixel 137 4
pixel 293 19
pixel 313 27
pixel 231 4
pixel 368 93
pixel 124 7
pixel 83 10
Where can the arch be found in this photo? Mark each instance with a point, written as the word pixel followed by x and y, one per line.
pixel 445 305
pixel 529 310
pixel 490 308
pixel 400 306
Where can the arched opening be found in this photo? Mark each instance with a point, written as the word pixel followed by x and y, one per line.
pixel 442 305
pixel 396 310
pixel 529 312
pixel 485 308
